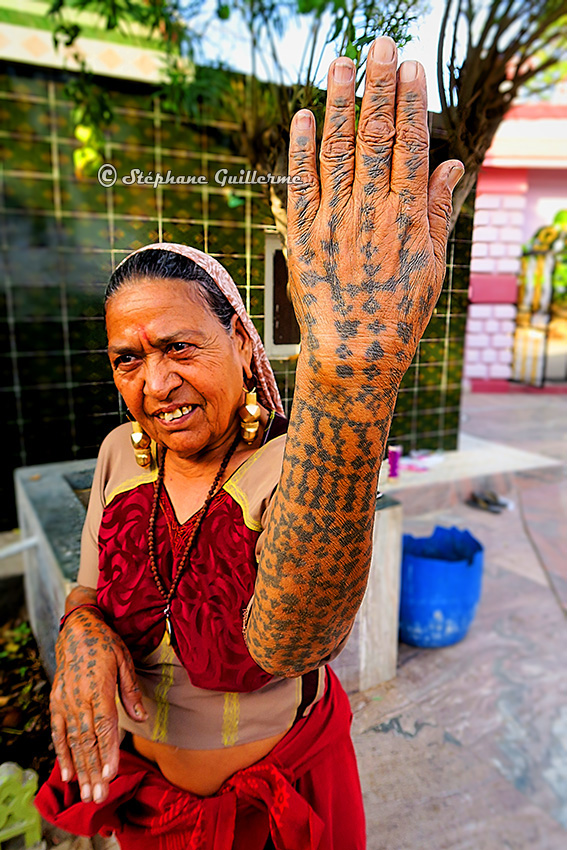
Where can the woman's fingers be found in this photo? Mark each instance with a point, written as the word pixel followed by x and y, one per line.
pixel 62 751
pixel 303 190
pixel 410 156
pixel 108 738
pixel 130 693
pixel 84 747
pixel 338 144
pixel 376 125
pixel 440 206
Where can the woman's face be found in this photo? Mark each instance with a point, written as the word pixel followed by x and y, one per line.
pixel 178 370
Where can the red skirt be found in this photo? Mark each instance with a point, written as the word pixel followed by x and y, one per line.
pixel 305 794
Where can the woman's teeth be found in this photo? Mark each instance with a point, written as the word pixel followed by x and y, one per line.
pixel 175 414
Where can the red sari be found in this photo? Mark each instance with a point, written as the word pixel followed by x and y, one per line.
pixel 305 794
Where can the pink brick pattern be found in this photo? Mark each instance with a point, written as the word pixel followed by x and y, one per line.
pixel 504 311
pixel 514 202
pixel 489 341
pixel 484 311
pixel 497 236
pixel 487 202
pixel 495 263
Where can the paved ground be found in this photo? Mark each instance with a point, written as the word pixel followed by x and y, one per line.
pixel 467 748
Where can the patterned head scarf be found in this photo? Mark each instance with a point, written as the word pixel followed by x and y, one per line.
pixel 267 388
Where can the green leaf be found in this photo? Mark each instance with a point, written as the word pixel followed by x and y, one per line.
pixel 223 12
pixel 234 201
pixel 351 51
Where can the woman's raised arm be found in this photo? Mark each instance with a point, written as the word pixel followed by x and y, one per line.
pixel 366 245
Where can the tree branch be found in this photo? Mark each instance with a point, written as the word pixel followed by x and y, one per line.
pixel 440 54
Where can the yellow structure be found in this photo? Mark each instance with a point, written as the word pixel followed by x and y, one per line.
pixel 540 343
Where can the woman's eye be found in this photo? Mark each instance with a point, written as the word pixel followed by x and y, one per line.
pixel 125 361
pixel 180 347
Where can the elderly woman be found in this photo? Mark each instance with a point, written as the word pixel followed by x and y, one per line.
pixel 224 561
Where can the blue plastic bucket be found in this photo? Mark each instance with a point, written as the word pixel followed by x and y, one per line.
pixel 441 584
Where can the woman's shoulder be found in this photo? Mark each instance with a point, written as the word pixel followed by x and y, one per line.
pixel 118 437
pixel 266 462
pixel 254 483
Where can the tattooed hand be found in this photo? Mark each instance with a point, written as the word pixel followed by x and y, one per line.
pixel 367 242
pixel 91 661
pixel 366 250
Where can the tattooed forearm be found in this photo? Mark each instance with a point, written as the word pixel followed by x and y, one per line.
pixel 366 249
pixel 314 564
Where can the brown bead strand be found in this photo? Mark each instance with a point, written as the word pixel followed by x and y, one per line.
pixel 183 563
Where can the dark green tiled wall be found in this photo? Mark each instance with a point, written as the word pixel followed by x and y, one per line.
pixel 60 238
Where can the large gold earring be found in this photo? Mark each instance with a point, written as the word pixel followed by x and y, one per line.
pixel 250 413
pixel 141 444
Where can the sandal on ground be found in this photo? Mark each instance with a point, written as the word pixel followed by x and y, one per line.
pixel 484 502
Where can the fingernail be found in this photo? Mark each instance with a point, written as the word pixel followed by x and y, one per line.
pixel 454 176
pixel 343 70
pixel 384 50
pixel 97 792
pixel 106 771
pixel 303 120
pixel 86 792
pixel 139 711
pixel 408 71
pixel 65 775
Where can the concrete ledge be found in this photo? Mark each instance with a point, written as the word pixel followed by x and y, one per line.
pixel 477 465
pixel 50 510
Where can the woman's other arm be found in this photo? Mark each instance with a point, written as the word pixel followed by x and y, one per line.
pixel 366 246
pixel 91 661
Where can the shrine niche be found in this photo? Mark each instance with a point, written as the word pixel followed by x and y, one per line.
pixel 540 342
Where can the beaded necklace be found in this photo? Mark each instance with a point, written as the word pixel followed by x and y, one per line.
pixel 185 558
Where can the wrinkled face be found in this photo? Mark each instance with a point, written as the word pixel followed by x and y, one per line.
pixel 178 370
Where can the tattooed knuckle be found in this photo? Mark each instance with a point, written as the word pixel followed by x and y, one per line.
pixel 338 150
pixel 380 91
pixel 413 138
pixel 303 186
pixel 87 742
pixel 442 211
pixel 56 701
pixel 104 727
pixel 376 131
pixel 57 736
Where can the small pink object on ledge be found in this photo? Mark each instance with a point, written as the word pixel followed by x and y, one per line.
pixel 394 457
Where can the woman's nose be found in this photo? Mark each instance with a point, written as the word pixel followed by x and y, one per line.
pixel 160 378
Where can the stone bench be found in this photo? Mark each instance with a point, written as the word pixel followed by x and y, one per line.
pixel 48 500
